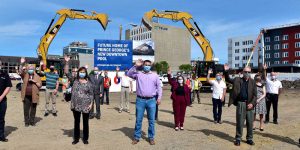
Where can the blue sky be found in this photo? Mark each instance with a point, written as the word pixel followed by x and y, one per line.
pixel 25 21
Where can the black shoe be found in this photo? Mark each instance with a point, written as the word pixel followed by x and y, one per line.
pixel 250 142
pixel 220 121
pixel 215 122
pixel 75 142
pixel 46 114
pixel 54 114
pixel 98 117
pixel 275 122
pixel 32 124
pixel 4 140
pixel 26 124
pixel 101 104
pixel 261 129
pixel 91 117
pixel 107 103
pixel 85 142
pixel 237 143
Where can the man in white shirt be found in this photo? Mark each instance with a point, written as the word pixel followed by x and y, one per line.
pixel 274 88
pixel 126 87
pixel 218 95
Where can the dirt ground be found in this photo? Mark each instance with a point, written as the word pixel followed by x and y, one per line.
pixel 115 130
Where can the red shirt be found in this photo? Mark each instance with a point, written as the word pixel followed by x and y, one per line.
pixel 107 82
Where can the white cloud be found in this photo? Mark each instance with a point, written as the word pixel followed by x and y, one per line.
pixel 22 28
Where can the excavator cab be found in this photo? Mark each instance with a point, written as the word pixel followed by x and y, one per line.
pixel 201 71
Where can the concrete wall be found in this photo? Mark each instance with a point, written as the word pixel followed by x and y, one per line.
pixel 172 44
pixel 86 59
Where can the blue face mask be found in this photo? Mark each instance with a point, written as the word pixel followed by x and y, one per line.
pixel 147 68
pixel 30 71
pixel 81 75
pixel 218 78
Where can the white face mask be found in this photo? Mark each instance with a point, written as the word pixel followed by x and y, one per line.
pixel 273 77
pixel 180 81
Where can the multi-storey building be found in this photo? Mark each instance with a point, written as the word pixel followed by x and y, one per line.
pixel 282 45
pixel 239 51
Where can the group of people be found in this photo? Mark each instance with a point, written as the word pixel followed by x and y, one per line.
pixel 250 96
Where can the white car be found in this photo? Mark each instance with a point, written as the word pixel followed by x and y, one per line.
pixel 164 78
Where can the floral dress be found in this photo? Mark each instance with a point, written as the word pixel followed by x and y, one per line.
pixel 82 96
pixel 260 107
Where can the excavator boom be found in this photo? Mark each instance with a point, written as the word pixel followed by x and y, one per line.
pixel 53 29
pixel 185 18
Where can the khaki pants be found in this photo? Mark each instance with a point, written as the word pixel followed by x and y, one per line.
pixel 124 98
pixel 50 95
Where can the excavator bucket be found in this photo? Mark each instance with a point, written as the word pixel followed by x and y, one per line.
pixel 103 20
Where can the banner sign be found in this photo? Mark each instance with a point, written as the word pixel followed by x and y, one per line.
pixel 109 54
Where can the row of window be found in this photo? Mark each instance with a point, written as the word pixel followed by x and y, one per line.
pixel 248 42
pixel 268 63
pixel 284 46
pixel 144 36
pixel 284 37
pixel 138 31
pixel 245 50
pixel 284 54
pixel 238 65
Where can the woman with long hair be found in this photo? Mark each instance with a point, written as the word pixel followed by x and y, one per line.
pixel 181 99
pixel 260 107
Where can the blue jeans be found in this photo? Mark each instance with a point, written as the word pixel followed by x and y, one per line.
pixel 150 106
pixel 3 106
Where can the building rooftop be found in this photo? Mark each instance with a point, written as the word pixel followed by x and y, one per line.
pixel 281 26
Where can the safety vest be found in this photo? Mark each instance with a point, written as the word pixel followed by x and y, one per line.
pixel 196 85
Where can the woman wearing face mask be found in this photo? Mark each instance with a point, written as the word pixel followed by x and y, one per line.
pixel 30 92
pixel 81 103
pixel 181 99
pixel 260 107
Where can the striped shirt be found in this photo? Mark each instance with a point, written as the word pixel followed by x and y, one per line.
pixel 51 79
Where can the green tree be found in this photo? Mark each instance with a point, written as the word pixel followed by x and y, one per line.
pixel 186 67
pixel 164 67
pixel 158 67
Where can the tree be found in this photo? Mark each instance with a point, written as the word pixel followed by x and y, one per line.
pixel 161 67
pixel 186 67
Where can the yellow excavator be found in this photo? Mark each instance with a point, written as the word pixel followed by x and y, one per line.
pixel 53 29
pixel 208 61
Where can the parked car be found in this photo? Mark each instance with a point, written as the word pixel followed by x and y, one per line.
pixel 164 78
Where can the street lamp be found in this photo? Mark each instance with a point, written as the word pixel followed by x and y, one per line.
pixel 121 29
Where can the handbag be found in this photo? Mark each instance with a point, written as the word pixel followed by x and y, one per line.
pixel 68 94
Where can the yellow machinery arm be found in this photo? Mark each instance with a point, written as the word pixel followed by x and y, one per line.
pixel 52 30
pixel 185 18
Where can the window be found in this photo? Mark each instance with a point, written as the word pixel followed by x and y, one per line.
pixel 237 50
pixel 250 42
pixel 276 62
pixel 297 45
pixel 267 39
pixel 268 63
pixel 297 53
pixel 285 54
pixel 276 38
pixel 285 62
pixel 244 42
pixel 267 55
pixel 297 61
pixel 237 58
pixel 297 36
pixel 276 46
pixel 236 65
pixel 285 46
pixel 276 55
pixel 267 47
pixel 285 37
pixel 237 44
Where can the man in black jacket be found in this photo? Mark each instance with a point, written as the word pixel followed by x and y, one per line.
pixel 5 85
pixel 243 96
pixel 97 81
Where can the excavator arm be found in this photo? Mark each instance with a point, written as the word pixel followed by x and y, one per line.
pixel 185 18
pixel 53 29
